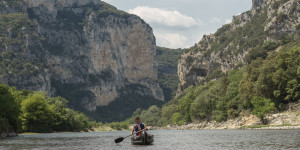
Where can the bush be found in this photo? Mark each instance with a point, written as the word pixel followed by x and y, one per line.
pixel 37 115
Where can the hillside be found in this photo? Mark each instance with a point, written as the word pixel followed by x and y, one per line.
pixel 101 59
pixel 250 66
pixel 268 25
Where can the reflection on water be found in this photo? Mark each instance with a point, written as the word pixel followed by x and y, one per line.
pixel 186 139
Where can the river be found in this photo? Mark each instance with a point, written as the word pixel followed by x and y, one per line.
pixel 164 139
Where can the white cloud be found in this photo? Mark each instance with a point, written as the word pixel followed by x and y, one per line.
pixel 171 40
pixel 215 20
pixel 164 17
pixel 227 21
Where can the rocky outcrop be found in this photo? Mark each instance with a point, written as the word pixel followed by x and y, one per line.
pixel 268 20
pixel 84 50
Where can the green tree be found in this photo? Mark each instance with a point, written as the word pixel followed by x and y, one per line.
pixel 59 105
pixel 77 121
pixel 9 110
pixel 37 114
pixel 151 116
pixel 261 107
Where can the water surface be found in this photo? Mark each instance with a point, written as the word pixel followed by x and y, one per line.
pixel 165 139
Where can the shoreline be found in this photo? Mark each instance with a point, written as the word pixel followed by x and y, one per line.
pixel 283 120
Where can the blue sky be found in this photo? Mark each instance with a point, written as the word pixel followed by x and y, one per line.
pixel 182 23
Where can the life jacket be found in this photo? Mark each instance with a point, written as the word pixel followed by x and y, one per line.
pixel 136 128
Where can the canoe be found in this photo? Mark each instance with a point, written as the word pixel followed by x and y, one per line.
pixel 143 139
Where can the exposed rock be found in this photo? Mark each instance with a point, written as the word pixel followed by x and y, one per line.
pixel 86 51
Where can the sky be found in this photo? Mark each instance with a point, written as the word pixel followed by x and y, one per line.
pixel 182 23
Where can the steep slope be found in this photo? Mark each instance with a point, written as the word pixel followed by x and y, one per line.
pixel 84 50
pixel 269 24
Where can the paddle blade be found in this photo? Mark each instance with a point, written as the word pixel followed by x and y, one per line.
pixel 118 140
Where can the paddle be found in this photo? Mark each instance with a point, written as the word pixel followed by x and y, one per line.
pixel 120 139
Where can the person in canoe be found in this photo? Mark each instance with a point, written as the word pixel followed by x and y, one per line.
pixel 139 126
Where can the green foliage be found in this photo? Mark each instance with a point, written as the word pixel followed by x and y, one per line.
pixel 262 106
pixel 217 100
pixel 107 9
pixel 223 29
pixel 28 111
pixel 269 45
pixel 275 78
pixel 76 121
pixel 265 85
pixel 150 116
pixel 119 125
pixel 255 53
pixel 37 115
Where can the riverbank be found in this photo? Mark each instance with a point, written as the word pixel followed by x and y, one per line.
pixel 285 120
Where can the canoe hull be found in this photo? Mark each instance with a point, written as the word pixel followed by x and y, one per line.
pixel 144 139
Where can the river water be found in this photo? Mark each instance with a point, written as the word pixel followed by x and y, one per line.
pixel 164 139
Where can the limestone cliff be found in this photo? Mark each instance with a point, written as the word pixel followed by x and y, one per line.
pixel 268 23
pixel 84 50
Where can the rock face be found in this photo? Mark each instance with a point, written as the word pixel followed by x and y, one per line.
pixel 84 50
pixel 268 20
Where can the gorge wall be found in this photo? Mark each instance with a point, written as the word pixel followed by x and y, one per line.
pixel 84 50
pixel 268 22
